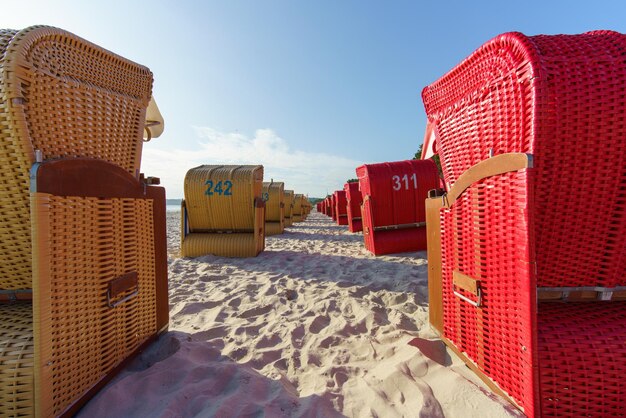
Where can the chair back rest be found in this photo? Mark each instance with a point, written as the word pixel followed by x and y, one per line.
pixel 561 98
pixel 223 197
pixel 290 198
pixel 297 204
pixel 274 196
pixel 61 97
pixel 396 191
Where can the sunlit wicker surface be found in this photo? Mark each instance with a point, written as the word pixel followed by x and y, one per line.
pixel 16 360
pixel 289 203
pixel 67 98
pixel 582 348
pixel 80 245
pixel 222 208
pixel 298 211
pixel 274 228
pixel 561 223
pixel 274 196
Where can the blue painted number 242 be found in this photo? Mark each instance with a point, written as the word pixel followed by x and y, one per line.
pixel 220 189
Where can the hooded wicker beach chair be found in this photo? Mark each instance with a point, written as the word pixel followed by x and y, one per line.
pixel 223 212
pixel 289 203
pixel 83 260
pixel 274 197
pixel 328 207
pixel 354 200
pixel 341 207
pixel 527 244
pixel 298 208
pixel 394 218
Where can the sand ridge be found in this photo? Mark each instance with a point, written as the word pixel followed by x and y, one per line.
pixel 315 326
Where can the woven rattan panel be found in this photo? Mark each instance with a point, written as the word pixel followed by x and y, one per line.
pixel 222 197
pixel 225 245
pixel 481 238
pixel 289 202
pixel 274 196
pixel 82 244
pixel 274 228
pixel 16 360
pixel 563 99
pixel 582 347
pixel 68 98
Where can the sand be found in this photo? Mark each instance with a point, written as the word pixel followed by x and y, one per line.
pixel 315 326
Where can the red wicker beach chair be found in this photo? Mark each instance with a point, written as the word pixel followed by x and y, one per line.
pixel 355 199
pixel 393 212
pixel 341 207
pixel 527 284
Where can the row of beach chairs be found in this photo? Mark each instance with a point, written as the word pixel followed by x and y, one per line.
pixel 525 232
pixel 228 210
pixel 386 204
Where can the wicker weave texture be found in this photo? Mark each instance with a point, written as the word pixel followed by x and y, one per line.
pixel 67 98
pixel 298 208
pixel 16 360
pixel 393 195
pixel 559 224
pixel 224 245
pixel 493 335
pixel 274 196
pixel 341 207
pixel 80 245
pixel 222 211
pixel 582 347
pixel 274 228
pixel 354 200
pixel 289 202
pixel 222 197
pixel 562 99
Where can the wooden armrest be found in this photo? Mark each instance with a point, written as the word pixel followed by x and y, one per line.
pixel 499 164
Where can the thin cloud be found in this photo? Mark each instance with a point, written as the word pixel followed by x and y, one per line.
pixel 310 173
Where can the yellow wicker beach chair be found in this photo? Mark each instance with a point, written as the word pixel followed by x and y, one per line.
pixel 274 197
pixel 83 257
pixel 223 212
pixel 298 211
pixel 289 202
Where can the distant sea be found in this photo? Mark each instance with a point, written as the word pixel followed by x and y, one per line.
pixel 172 205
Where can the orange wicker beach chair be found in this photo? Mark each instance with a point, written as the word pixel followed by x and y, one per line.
pixel 83 260
pixel 527 247
pixel 223 212
pixel 289 203
pixel 274 197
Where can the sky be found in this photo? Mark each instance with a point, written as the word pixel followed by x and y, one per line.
pixel 309 89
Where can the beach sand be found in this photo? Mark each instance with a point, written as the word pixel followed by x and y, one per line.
pixel 315 326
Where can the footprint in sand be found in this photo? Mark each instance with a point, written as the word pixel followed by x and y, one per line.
pixel 319 323
pixel 250 313
pixel 269 341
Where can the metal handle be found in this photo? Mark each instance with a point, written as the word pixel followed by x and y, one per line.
pixel 478 303
pixel 469 284
pixel 121 285
pixel 124 299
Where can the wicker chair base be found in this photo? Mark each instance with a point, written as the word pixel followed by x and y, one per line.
pixel 16 360
pixel 223 245
pixel 274 228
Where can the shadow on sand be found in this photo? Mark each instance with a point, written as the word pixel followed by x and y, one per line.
pixel 180 376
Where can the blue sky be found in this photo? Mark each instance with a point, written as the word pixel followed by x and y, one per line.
pixel 309 89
